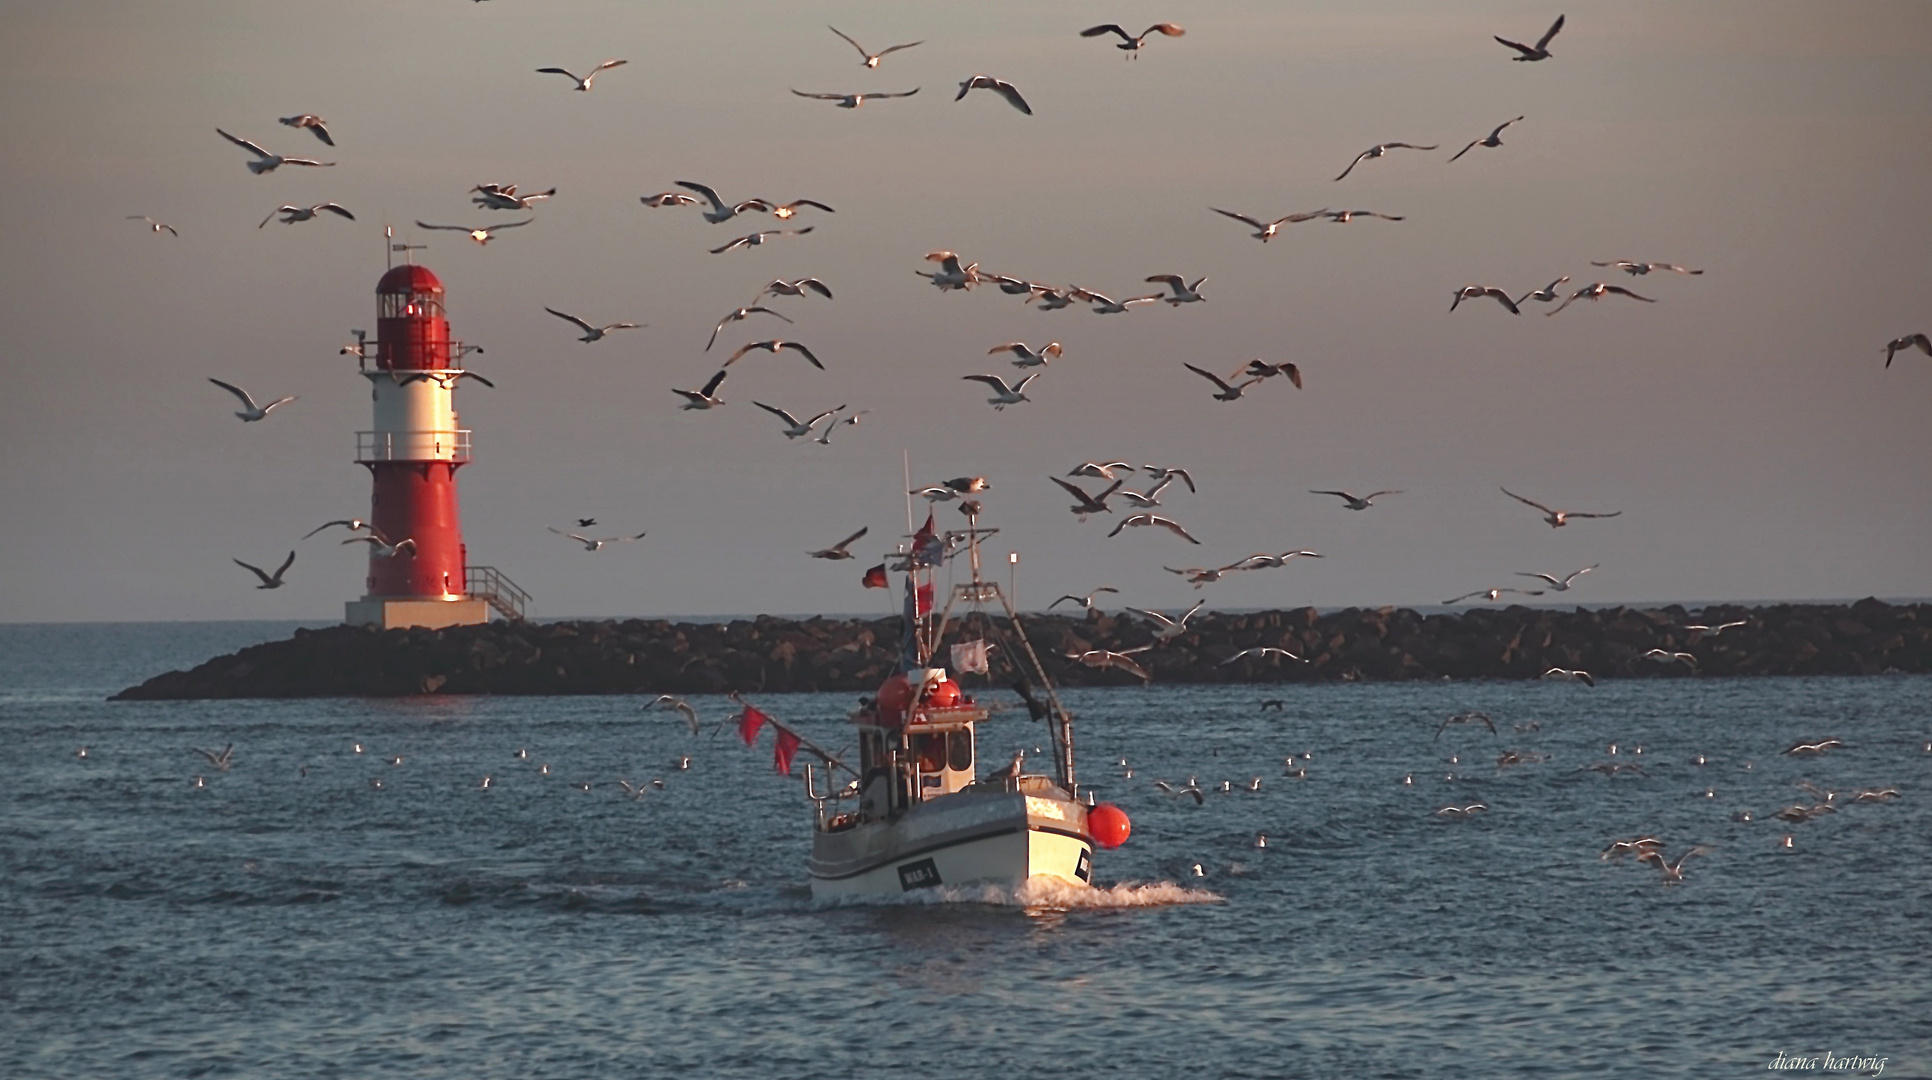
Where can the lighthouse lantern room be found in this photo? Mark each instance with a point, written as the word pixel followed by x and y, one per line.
pixel 417 574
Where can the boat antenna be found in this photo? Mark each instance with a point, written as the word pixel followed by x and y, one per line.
pixel 905 461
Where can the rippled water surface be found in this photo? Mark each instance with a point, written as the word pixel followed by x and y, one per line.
pixel 291 924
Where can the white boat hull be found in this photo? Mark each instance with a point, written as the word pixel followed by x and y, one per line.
pixel 968 838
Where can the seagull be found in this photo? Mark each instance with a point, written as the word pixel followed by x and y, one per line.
pixel 1556 518
pixel 316 125
pixel 1024 357
pixel 155 227
pixel 1474 292
pixel 1138 520
pixel 705 398
pixel 1101 659
pixel 269 581
pixel 950 274
pixel 781 287
pixel 1491 594
pixel 1380 150
pixel 1467 718
pixel 250 411
pixel 1183 292
pixel 772 347
pixel 1493 140
pixel 1086 602
pixel 1005 395
pixel 1673 871
pixel 1199 576
pixel 853 101
pixel 1458 812
pixel 785 211
pixel 1557 674
pixel 1104 470
pixel 1152 496
pixel 381 548
pixel 591 333
pixel 1088 504
pixel 1130 44
pixel 722 211
pixel 1162 472
pixel 758 238
pixel 1052 299
pixel 495 197
pixel 938 493
pixel 1265 561
pixel 292 214
pixel 1264 652
pixel 1560 584
pixel 1343 217
pixel 1261 369
pixel 1598 291
pixel 596 545
pixel 481 235
pixel 1701 630
pixel 1228 393
pixel 266 162
pixel 1011 770
pixel 1665 656
pixel 678 705
pixel 667 198
pixel 1103 305
pixel 222 761
pixel 837 551
pixel 794 428
pixel 1539 51
pixel 736 316
pixel 1351 502
pixel 1191 789
pixel 1909 341
pixel 998 86
pixel 1265 231
pixel 1169 628
pixel 872 59
pixel 1546 294
pixel 969 485
pixel 583 82
pixel 1811 746
pixel 1637 269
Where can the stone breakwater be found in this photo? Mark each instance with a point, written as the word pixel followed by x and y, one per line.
pixel 769 654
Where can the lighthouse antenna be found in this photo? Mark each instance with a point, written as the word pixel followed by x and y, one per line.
pixel 388 247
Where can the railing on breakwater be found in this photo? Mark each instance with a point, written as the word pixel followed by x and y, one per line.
pixel 489 583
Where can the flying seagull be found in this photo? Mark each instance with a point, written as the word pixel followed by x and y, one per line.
pixel 758 238
pixel 266 162
pixel 505 197
pixel 1087 601
pixel 292 214
pixel 1004 395
pixel 1130 44
pixel 1140 520
pixel 1556 518
pixel 381 548
pixel 591 333
pixel 269 581
pixel 1909 341
pixel 722 211
pixel 772 347
pixel 250 411
pixel 1261 369
pixel 998 86
pixel 872 59
pixel 1560 584
pixel 1492 140
pixel 481 235
pixel 950 274
pixel 1482 718
pixel 351 524
pixel 596 544
pixel 667 198
pixel 1557 674
pixel 1024 357
pixel 1473 292
pixel 853 101
pixel 1343 217
pixel 1169 627
pixel 1351 502
pixel 316 125
pixel 1598 291
pixel 1265 231
pixel 1638 269
pixel 795 428
pixel 837 551
pixel 1228 393
pixel 706 398
pixel 736 316
pixel 675 704
pixel 1088 504
pixel 785 211
pixel 1183 292
pixel 1539 51
pixel 222 761
pixel 1491 595
pixel 1546 294
pixel 583 82
pixel 781 287
pixel 1379 150
pixel 155 227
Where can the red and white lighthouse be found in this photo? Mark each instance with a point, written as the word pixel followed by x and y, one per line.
pixel 413 451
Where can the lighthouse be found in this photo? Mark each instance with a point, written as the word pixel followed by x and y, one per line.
pixel 413 450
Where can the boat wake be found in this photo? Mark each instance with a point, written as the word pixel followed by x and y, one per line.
pixel 1044 894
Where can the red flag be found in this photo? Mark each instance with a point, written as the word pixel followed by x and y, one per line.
pixel 782 751
pixel 925 535
pixel 749 723
pixel 875 578
pixel 925 599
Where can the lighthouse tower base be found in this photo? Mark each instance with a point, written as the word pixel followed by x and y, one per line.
pixel 391 613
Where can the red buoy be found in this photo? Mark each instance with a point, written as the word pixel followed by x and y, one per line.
pixel 943 695
pixel 895 697
pixel 1108 825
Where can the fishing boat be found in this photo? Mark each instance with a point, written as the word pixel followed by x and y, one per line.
pixel 918 814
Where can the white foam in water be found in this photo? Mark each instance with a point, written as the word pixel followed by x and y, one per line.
pixel 1045 893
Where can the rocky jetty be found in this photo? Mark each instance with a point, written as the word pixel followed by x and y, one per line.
pixel 770 654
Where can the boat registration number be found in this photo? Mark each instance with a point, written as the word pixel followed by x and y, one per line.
pixel 918 875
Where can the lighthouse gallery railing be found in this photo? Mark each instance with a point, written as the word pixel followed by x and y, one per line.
pixel 413 445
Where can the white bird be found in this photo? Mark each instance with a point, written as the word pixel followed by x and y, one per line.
pixel 781 287
pixel 1168 627
pixel 722 211
pixel 1546 294
pixel 737 316
pixel 1144 520
pixel 591 333
pixel 1228 393
pixel 596 544
pixel 773 346
pixel 1491 595
pixel 1263 652
pixel 269 581
pixel 250 411
pixel 1673 871
pixel 1123 660
pixel 1130 44
pixel 837 551
pixel 1598 291
pixel 1556 518
pixel 482 235
pixel 795 428
pixel 784 211
pixel 1557 674
pixel 1665 656
pixel 1265 231
pixel 292 214
pixel 1381 150
pixel 1103 305
pixel 1539 51
pixel 1474 292
pixel 1352 502
pixel 583 82
pixel 1183 292
pixel 1150 497
pixel 1004 395
pixel 757 239
pixel 853 101
pixel 352 524
pixel 706 398
pixel 998 86
pixel 936 493
pixel 1193 789
pixel 1265 561
pixel 316 125
pixel 950 274
pixel 1086 602
pixel 1909 341
pixel 1051 299
pixel 266 162
pixel 381 548
pixel 1024 357
pixel 1492 140
pixel 1560 584
pixel 505 197
pixel 1162 472
pixel 155 227
pixel 1638 269
pixel 872 59
pixel 667 198
pixel 1712 631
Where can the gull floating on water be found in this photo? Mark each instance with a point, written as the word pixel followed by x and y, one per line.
pixel 773 346
pixel 583 81
pixel 1560 584
pixel 482 235
pixel 269 581
pixel 1556 518
pixel 591 333
pixel 1538 51
pixel 795 428
pixel 1473 292
pixel 596 544
pixel 292 214
pixel 998 86
pixel 1352 502
pixel 837 551
pixel 758 238
pixel 1004 394
pixel 853 101
pixel 1492 140
pixel 1265 231
pixel 155 227
pixel 1598 291
pixel 1130 43
pixel 737 316
pixel 1143 520
pixel 706 398
pixel 266 162
pixel 1909 341
pixel 250 411
pixel 1381 150
pixel 872 58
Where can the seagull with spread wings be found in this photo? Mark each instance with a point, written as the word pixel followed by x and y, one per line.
pixel 596 544
pixel 1183 292
pixel 266 162
pixel 269 581
pixel 670 703
pixel 1556 518
pixel 1228 392
pixel 772 347
pixel 1088 504
pixel 292 214
pixel 872 58
pixel 1266 230
pixel 1491 595
pixel 706 398
pixel 837 551
pixel 1168 627
pixel 1546 294
pixel 853 101
pixel 1598 291
pixel 1538 51
pixel 1381 150
pixel 583 81
pixel 316 125
pixel 794 427
pixel 1130 44
pixel 1636 268
pixel 1492 140
pixel 781 287
pixel 1004 394
pixel 1563 583
pixel 593 333
pixel 1144 520
pixel 999 86
pixel 252 412
pixel 482 235
pixel 758 238
pixel 1892 347
pixel 737 316
pixel 1474 292
pixel 1086 602
pixel 505 197
pixel 1352 502
pixel 156 227
pixel 1024 357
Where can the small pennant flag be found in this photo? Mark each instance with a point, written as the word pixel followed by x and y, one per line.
pixel 748 724
pixel 875 578
pixel 782 751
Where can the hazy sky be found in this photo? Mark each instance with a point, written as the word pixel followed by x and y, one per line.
pixel 1744 424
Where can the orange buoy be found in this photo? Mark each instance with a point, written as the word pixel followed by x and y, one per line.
pixel 895 696
pixel 1108 825
pixel 943 695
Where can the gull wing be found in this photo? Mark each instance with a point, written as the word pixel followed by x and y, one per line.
pixel 1240 217
pixel 1208 375
pixel 849 41
pixel 259 572
pixel 334 209
pixel 1527 502
pixel 1107 28
pixel 1352 164
pixel 246 401
pixel 1517 45
pixel 712 195
pixel 1544 41
pixel 896 48
pixel 587 328
pixel 805 352
pixel 245 144
pixel 711 387
pixel 286 563
pixel 1627 292
pixel 1166 28
pixel 1174 527
pixel 842 544
pixel 780 413
pixel 993 381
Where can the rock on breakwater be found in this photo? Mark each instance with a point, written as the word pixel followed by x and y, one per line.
pixel 769 654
